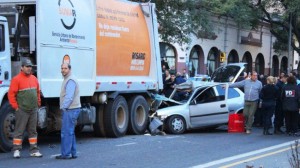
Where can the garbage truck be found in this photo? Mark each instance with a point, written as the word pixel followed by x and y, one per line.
pixel 112 46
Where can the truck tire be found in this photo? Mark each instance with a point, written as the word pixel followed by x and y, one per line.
pixel 78 129
pixel 138 112
pixel 7 127
pixel 116 117
pixel 176 124
pixel 99 124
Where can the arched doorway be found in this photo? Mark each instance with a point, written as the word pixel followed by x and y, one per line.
pixel 275 66
pixel 196 61
pixel 284 65
pixel 168 53
pixel 213 61
pixel 233 57
pixel 247 58
pixel 260 64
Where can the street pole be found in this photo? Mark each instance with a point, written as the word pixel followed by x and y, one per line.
pixel 290 58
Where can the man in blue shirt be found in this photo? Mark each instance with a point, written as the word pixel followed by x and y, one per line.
pixel 70 106
pixel 252 88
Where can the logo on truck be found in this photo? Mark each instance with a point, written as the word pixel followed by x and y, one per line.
pixel 67 12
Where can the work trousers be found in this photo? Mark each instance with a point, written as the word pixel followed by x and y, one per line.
pixel 68 139
pixel 279 116
pixel 291 121
pixel 25 120
pixel 268 108
pixel 249 111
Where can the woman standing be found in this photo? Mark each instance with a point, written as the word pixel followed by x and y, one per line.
pixel 290 105
pixel 268 95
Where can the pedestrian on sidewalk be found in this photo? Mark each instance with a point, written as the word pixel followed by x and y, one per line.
pixel 24 97
pixel 70 106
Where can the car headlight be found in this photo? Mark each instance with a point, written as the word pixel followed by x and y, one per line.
pixel 162 117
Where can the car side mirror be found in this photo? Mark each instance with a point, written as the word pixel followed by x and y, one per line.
pixel 193 102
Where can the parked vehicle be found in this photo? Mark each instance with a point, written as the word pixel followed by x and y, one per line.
pixel 113 49
pixel 202 104
pixel 200 78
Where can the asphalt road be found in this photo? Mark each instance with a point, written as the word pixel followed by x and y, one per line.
pixel 201 148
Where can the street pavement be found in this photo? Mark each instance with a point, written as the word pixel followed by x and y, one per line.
pixel 200 148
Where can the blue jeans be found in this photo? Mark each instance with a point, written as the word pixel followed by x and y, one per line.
pixel 68 140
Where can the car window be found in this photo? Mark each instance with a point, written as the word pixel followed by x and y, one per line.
pixel 205 96
pixel 232 93
pixel 2 40
pixel 208 96
pixel 225 74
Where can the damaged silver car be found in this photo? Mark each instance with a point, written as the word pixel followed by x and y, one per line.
pixel 196 104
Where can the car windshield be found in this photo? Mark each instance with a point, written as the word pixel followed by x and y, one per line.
pixel 225 74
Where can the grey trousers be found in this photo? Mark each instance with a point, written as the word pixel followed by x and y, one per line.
pixel 25 120
pixel 249 111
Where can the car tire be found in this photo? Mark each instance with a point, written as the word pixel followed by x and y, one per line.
pixel 176 124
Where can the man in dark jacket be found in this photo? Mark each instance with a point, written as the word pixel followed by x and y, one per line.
pixel 279 114
pixel 290 105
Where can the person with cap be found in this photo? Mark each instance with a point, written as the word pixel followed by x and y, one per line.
pixel 70 106
pixel 24 97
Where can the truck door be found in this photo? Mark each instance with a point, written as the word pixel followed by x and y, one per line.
pixel 5 62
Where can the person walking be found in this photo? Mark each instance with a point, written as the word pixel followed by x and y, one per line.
pixel 70 106
pixel 268 95
pixel 24 97
pixel 279 113
pixel 252 88
pixel 290 105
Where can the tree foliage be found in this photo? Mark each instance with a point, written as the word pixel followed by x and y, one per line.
pixel 178 19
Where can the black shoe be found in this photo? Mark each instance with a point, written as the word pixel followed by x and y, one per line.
pixel 268 133
pixel 74 156
pixel 278 132
pixel 63 157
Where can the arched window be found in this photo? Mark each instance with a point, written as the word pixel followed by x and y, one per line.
pixel 275 66
pixel 284 65
pixel 260 64
pixel 212 60
pixel 168 53
pixel 247 58
pixel 233 57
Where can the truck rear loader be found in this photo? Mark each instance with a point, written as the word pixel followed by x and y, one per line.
pixel 112 46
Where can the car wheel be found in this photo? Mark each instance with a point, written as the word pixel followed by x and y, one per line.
pixel 176 125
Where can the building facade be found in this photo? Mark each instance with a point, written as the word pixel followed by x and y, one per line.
pixel 255 47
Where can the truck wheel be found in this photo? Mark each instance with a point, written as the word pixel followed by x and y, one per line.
pixel 138 112
pixel 99 124
pixel 116 117
pixel 176 124
pixel 7 127
pixel 78 129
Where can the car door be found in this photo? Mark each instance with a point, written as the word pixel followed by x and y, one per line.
pixel 208 106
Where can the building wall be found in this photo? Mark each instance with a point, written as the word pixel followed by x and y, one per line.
pixel 229 37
